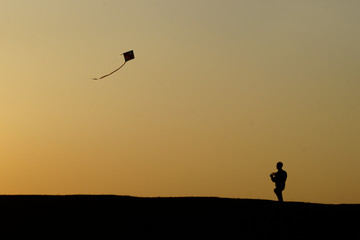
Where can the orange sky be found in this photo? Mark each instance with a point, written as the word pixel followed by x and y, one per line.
pixel 219 91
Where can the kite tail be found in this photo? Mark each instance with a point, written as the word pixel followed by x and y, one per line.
pixel 110 73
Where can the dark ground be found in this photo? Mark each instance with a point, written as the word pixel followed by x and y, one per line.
pixel 109 216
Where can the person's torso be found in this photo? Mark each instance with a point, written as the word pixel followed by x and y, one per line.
pixel 280 177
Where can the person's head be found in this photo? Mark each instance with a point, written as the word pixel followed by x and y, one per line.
pixel 279 165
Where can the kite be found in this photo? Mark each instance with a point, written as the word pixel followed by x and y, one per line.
pixel 127 56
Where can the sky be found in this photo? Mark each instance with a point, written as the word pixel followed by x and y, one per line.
pixel 218 93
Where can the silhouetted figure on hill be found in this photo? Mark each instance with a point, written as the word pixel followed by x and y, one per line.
pixel 279 179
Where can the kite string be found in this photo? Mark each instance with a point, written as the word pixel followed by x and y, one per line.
pixel 110 73
pixel 113 71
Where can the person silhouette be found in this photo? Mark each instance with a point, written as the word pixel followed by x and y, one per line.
pixel 279 179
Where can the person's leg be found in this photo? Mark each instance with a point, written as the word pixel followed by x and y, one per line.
pixel 280 197
pixel 278 193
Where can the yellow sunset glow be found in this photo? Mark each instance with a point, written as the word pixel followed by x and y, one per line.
pixel 218 93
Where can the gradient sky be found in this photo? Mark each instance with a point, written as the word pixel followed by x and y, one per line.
pixel 219 91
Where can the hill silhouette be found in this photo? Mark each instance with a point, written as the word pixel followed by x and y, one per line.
pixel 171 217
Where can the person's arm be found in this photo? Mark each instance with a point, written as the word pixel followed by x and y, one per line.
pixel 272 177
